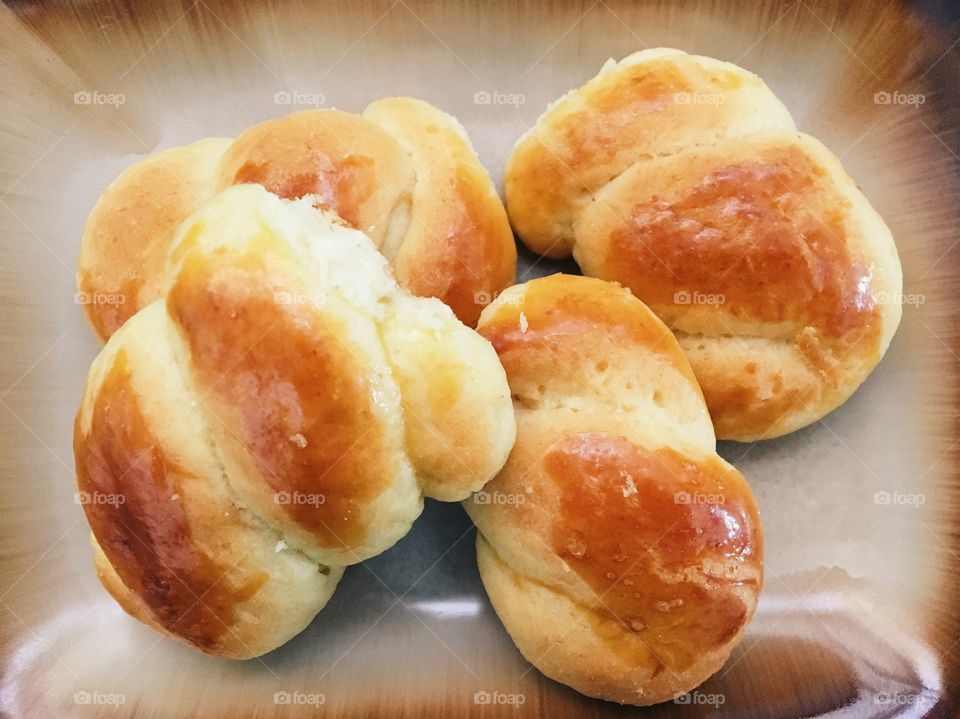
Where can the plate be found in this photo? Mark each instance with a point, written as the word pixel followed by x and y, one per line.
pixel 859 613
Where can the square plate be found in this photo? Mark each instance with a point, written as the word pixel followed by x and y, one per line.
pixel 858 616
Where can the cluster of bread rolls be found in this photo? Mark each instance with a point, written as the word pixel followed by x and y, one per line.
pixel 403 172
pixel 274 401
pixel 684 179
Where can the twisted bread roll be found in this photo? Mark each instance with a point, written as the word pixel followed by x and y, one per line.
pixel 684 179
pixel 623 556
pixel 404 173
pixel 279 414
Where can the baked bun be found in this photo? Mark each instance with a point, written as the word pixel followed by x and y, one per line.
pixel 404 173
pixel 622 554
pixel 279 413
pixel 685 180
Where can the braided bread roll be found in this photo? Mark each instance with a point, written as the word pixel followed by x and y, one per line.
pixel 622 554
pixel 404 173
pixel 684 179
pixel 278 414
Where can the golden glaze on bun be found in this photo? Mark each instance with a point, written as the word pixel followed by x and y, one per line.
pixel 403 172
pixel 684 179
pixel 622 554
pixel 278 413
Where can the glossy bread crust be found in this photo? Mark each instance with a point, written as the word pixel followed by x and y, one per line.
pixel 404 173
pixel 684 179
pixel 456 218
pixel 622 554
pixel 651 104
pixel 279 413
pixel 123 251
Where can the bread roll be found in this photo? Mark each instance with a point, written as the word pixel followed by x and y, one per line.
pixel 278 413
pixel 684 179
pixel 404 173
pixel 622 554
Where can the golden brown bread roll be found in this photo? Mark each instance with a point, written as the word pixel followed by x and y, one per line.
pixel 622 554
pixel 684 179
pixel 279 413
pixel 404 173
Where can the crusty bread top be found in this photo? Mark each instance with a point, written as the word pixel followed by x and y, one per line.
pixel 614 519
pixel 647 105
pixel 457 221
pixel 125 241
pixel 765 243
pixel 352 166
